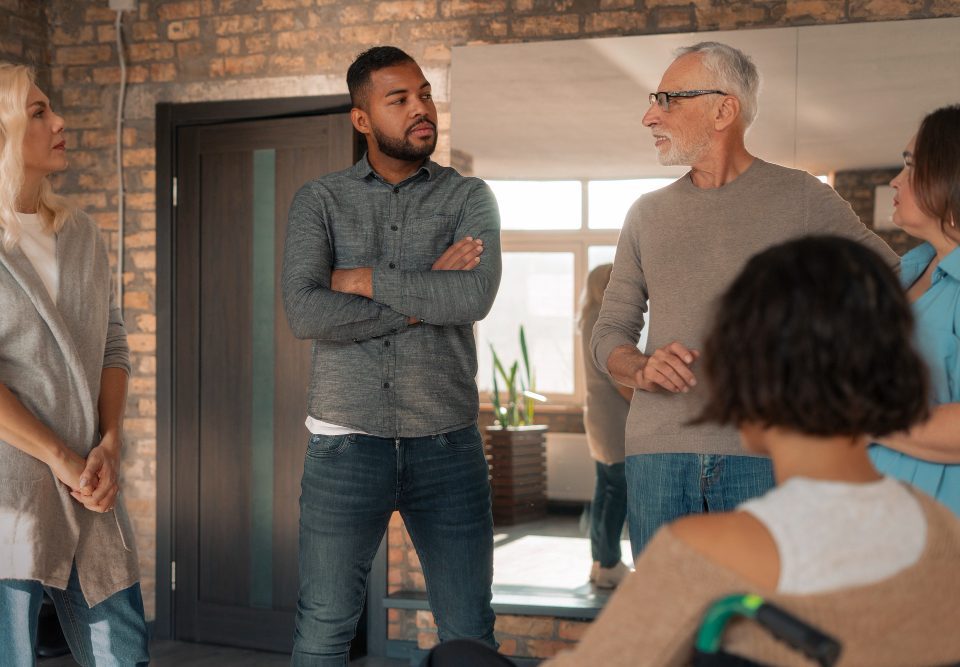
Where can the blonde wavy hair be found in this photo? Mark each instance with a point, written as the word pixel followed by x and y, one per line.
pixel 15 84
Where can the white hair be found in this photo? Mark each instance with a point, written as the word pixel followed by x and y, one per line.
pixel 736 74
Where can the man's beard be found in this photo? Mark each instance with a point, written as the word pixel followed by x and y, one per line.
pixel 404 149
pixel 688 152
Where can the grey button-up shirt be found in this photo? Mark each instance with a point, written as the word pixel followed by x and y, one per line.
pixel 371 370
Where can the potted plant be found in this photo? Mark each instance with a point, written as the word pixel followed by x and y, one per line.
pixel 516 445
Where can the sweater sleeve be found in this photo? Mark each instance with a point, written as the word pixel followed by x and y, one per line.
pixel 829 213
pixel 450 297
pixel 652 618
pixel 625 300
pixel 116 351
pixel 313 309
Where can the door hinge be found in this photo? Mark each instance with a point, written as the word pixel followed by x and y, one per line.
pixel 174 191
pixel 173 575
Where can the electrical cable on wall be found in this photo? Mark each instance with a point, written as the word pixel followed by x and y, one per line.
pixel 120 103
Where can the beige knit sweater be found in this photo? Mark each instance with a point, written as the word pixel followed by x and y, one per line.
pixel 911 619
pixel 680 247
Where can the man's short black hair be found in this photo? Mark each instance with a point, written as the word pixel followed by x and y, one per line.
pixel 815 336
pixel 368 62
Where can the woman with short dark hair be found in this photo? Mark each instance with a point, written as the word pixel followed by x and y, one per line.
pixel 810 353
pixel 927 206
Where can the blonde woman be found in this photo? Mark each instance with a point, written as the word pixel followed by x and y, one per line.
pixel 605 419
pixel 63 382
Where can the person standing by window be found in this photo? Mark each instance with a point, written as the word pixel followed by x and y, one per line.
pixel 605 419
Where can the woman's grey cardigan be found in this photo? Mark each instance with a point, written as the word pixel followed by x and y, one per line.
pixel 51 358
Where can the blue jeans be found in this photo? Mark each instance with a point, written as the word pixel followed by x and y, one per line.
pixel 351 486
pixel 113 633
pixel 607 513
pixel 664 487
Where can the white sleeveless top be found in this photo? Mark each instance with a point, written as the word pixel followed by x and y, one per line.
pixel 833 535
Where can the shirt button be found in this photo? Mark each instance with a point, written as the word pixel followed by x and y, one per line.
pixel 386 385
pixel 396 191
pixel 393 331
pixel 386 343
pixel 393 228
pixel 392 265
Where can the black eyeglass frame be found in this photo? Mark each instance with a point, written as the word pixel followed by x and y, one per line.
pixel 662 97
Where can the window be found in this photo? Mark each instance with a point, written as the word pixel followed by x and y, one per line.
pixel 554 233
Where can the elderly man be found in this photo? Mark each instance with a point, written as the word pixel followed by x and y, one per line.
pixel 679 248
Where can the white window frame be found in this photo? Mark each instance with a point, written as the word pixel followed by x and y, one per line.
pixel 569 241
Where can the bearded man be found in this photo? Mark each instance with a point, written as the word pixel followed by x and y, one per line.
pixel 679 249
pixel 387 265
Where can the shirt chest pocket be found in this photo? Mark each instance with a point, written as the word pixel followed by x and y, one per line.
pixel 423 240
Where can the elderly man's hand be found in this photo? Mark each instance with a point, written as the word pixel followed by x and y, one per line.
pixel 669 368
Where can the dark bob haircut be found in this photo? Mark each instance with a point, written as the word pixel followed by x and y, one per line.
pixel 936 165
pixel 815 336
pixel 368 62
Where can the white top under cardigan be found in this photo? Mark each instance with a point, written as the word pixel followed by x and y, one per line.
pixel 39 243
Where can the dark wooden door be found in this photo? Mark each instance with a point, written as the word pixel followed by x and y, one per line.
pixel 240 376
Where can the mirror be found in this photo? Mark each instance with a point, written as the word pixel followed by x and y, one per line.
pixel 840 98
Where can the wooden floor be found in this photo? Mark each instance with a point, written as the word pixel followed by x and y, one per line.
pixel 184 654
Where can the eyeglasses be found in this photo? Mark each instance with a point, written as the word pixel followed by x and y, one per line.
pixel 662 98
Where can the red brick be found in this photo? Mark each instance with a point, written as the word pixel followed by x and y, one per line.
pixel 106 34
pixel 145 31
pixel 275 5
pixel 147 407
pixel 354 14
pixel 139 157
pixel 727 17
pixel 369 34
pixel 169 11
pixel 257 43
pixel 136 300
pixel 618 22
pixel 141 201
pixel 178 31
pixel 148 51
pixel 546 26
pixel 244 64
pixel 814 11
pixel 427 640
pixel 472 7
pixel 228 45
pixel 288 64
pixel 572 630
pixel 146 239
pixel 507 646
pixel 99 15
pixel 188 50
pixel 675 18
pixel 80 97
pixel 142 385
pixel 616 4
pixel 440 30
pixel 82 34
pixel 284 21
pixel 233 25
pixel 144 259
pixel 404 10
pixel 526 626
pixel 163 72
pixel 295 41
pixel 83 55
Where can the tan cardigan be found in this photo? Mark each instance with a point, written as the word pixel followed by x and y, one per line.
pixel 911 619
pixel 51 358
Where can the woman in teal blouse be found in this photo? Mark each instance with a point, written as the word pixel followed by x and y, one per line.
pixel 927 206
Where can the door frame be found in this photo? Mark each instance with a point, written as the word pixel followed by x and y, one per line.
pixel 170 119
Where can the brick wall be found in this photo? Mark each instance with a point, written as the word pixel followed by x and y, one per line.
pixel 202 50
pixel 857 186
pixel 23 35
